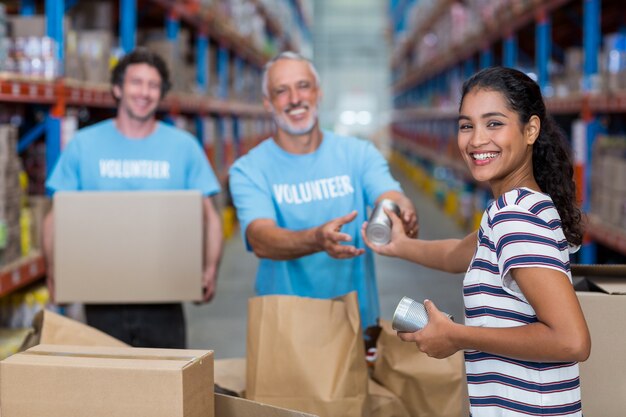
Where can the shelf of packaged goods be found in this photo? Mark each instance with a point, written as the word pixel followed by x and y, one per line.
pixel 216 26
pixel 607 235
pixel 77 93
pixel 437 156
pixel 510 20
pixel 19 89
pixel 424 113
pixel 21 272
pixel 613 102
pixel 565 105
pixel 418 32
pixel 274 25
pixel 193 103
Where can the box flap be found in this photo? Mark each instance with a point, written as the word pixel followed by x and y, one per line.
pixel 53 329
pixel 226 406
pixel 231 374
pixel 116 357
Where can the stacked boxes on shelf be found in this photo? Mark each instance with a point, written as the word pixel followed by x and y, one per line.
pixel 608 180
pixel 30 52
pixel 10 196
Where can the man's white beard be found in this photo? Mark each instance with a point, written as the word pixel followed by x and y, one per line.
pixel 283 123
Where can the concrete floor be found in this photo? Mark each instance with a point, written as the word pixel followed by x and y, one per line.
pixel 221 324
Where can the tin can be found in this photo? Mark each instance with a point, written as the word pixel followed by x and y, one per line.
pixel 410 316
pixel 378 229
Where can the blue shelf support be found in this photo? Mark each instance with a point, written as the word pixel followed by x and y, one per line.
pixel 591 42
pixel 202 62
pixel 509 52
pixel 236 136
pixel 543 46
pixel 128 24
pixel 54 27
pixel 222 72
pixel 31 136
pixel 469 67
pixel 53 142
pixel 172 27
pixel 591 48
pixel 27 8
pixel 486 58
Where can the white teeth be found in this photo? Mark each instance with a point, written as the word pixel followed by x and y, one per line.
pixel 297 111
pixel 483 156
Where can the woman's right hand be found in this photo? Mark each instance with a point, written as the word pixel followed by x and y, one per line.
pixel 398 237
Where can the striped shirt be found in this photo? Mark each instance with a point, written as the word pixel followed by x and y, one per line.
pixel 521 229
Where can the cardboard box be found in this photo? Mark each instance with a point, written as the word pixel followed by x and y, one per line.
pixel 66 380
pixel 601 290
pixel 226 406
pixel 49 328
pixel 128 247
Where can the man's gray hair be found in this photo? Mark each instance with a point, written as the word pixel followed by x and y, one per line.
pixel 286 55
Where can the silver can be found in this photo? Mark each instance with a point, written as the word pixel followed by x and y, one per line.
pixel 378 229
pixel 410 316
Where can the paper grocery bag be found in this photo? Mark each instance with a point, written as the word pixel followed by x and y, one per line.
pixel 427 387
pixel 307 354
pixel 384 403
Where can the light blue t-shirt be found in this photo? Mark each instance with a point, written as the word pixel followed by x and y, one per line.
pixel 101 158
pixel 304 191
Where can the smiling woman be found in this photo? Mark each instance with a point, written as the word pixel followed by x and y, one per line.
pixel 523 323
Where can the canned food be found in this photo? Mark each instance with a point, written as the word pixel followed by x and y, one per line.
pixel 378 229
pixel 411 316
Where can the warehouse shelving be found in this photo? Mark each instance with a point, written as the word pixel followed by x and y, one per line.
pixel 217 44
pixel 530 35
pixel 21 273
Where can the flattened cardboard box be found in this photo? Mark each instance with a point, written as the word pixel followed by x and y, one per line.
pixel 601 290
pixel 68 381
pixel 128 247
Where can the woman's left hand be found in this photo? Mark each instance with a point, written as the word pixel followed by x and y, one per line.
pixel 436 338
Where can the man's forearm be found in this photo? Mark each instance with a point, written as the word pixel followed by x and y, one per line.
pixel 276 243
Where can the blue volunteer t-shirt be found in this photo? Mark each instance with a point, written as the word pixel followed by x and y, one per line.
pixel 100 158
pixel 304 191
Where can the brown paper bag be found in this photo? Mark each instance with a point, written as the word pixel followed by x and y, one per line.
pixel 307 354
pixel 428 387
pixel 384 403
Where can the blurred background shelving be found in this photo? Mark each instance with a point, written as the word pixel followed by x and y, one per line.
pixel 55 60
pixel 390 71
pixel 576 50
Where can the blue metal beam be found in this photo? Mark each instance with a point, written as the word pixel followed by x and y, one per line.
pixel 54 26
pixel 53 142
pixel 591 41
pixel 222 72
pixel 202 62
pixel 27 7
pixel 128 24
pixel 69 4
pixel 469 67
pixel 486 58
pixel 510 51
pixel 172 27
pixel 31 136
pixel 543 46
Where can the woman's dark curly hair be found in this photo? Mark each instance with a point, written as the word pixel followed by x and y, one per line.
pixel 552 164
pixel 141 55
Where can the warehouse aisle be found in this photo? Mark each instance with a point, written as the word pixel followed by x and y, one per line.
pixel 221 325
